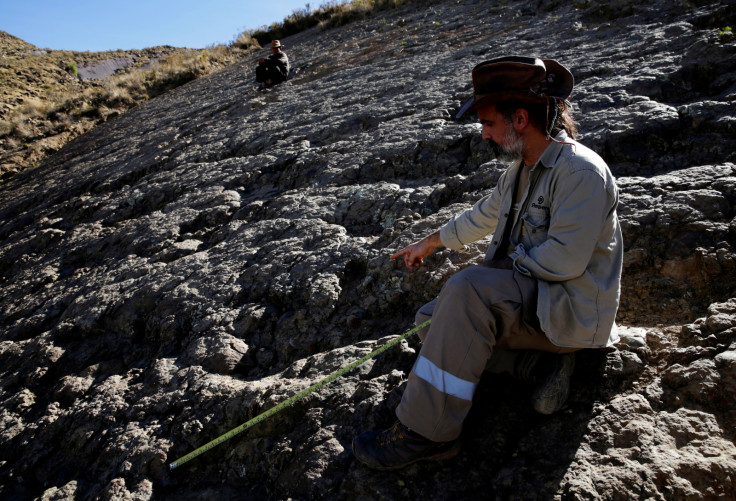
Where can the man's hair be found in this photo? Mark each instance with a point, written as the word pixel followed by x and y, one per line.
pixel 551 117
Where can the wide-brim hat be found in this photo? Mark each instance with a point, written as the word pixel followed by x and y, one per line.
pixel 276 44
pixel 516 78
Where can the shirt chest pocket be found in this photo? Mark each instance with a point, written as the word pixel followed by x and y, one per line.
pixel 535 226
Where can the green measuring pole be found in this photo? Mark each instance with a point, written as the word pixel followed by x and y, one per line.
pixel 286 403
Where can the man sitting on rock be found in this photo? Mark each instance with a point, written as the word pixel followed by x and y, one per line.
pixel 550 281
pixel 274 69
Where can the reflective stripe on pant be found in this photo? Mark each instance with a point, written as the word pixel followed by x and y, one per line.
pixel 477 308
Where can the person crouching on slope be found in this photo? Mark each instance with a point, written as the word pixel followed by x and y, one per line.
pixel 274 69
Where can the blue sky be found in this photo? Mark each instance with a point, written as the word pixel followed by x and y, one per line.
pixel 98 25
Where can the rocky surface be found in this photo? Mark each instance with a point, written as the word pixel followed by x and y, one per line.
pixel 103 68
pixel 202 257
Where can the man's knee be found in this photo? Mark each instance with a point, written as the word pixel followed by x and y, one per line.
pixel 423 314
pixel 260 74
pixel 461 283
pixel 420 317
pixel 491 284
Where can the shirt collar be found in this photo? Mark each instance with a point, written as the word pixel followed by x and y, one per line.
pixel 552 153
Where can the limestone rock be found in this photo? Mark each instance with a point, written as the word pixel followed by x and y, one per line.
pixel 203 257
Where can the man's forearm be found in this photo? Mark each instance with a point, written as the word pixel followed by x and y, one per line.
pixel 434 240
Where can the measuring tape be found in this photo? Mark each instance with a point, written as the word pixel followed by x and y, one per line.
pixel 273 410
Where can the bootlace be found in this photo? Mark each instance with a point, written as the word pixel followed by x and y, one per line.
pixel 389 435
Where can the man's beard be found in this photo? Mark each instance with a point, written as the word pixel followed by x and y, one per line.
pixel 512 148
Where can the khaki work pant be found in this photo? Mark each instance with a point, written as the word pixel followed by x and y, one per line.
pixel 478 310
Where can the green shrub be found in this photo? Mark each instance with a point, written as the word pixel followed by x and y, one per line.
pixel 71 68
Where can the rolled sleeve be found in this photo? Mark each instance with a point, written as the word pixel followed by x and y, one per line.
pixel 449 236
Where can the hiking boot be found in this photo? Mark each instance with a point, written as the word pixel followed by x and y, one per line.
pixel 528 365
pixel 398 446
pixel 551 394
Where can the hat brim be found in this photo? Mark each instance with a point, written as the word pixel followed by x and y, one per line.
pixel 482 100
pixel 468 106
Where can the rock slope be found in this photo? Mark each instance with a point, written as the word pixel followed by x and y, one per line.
pixel 204 256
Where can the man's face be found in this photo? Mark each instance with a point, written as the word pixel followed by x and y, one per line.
pixel 275 50
pixel 506 142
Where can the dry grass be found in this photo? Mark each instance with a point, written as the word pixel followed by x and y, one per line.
pixel 246 41
pixel 5 127
pixel 34 108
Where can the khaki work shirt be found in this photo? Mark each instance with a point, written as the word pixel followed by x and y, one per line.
pixel 567 236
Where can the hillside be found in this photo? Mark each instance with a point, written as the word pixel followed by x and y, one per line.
pixel 49 97
pixel 178 270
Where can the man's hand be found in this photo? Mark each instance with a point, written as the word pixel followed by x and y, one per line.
pixel 261 61
pixel 415 253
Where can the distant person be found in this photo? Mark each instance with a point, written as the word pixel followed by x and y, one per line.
pixel 550 281
pixel 274 69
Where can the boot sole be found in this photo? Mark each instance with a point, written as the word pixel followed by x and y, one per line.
pixel 450 453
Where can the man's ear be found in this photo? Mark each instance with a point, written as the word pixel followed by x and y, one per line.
pixel 520 119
